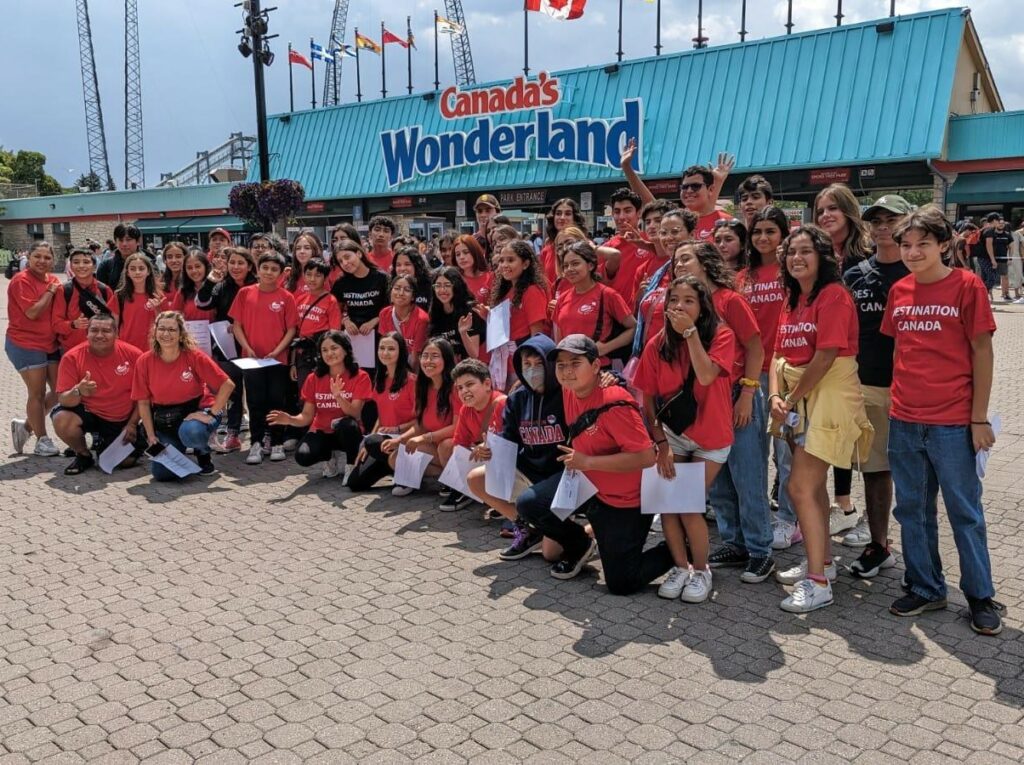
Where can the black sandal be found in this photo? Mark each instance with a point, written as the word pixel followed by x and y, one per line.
pixel 80 464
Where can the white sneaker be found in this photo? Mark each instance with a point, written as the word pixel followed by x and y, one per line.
pixel 290 444
pixel 799 573
pixel 698 588
pixel 401 491
pixel 839 520
pixel 330 468
pixel 255 455
pixel 1019 301
pixel 277 453
pixel 807 596
pixel 860 535
pixel 45 448
pixel 19 435
pixel 674 583
pixel 785 535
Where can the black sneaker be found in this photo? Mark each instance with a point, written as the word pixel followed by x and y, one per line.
pixel 985 618
pixel 455 501
pixel 444 493
pixel 79 464
pixel 757 570
pixel 567 569
pixel 913 604
pixel 69 452
pixel 727 556
pixel 874 558
pixel 524 541
pixel 205 462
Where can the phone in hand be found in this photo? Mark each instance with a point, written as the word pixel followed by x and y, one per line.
pixel 155 449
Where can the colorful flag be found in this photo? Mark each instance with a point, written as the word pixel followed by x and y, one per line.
pixel 391 37
pixel 317 52
pixel 446 27
pixel 344 50
pixel 563 10
pixel 294 57
pixel 364 42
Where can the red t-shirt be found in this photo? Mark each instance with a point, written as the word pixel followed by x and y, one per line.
pixel 24 292
pixel 652 309
pixel 66 311
pixel 548 261
pixel 933 325
pixel 734 311
pixel 113 375
pixel 429 418
pixel 829 322
pixel 532 310
pixel 479 286
pixel 316 314
pixel 265 317
pixel 632 259
pixel 189 310
pixel 575 312
pixel 137 320
pixel 763 290
pixel 394 409
pixel 413 329
pixel 383 261
pixel 654 376
pixel 644 273
pixel 317 391
pixel 470 424
pixel 187 377
pixel 617 430
pixel 705 230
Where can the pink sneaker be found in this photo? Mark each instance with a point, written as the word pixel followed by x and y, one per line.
pixel 231 443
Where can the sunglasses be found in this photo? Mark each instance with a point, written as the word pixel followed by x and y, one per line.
pixel 723 222
pixel 691 186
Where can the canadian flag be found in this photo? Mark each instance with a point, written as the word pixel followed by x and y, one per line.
pixel 564 10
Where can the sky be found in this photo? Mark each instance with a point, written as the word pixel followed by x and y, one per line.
pixel 197 88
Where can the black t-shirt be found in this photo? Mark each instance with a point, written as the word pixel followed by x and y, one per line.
pixel 870 282
pixel 364 298
pixel 448 328
pixel 1001 241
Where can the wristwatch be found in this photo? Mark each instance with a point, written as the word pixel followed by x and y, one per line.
pixel 688 332
pixel 209 411
pixel 77 391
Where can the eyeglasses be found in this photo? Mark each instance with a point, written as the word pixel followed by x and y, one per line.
pixel 400 288
pixel 431 356
pixel 172 330
pixel 672 232
pixel 694 187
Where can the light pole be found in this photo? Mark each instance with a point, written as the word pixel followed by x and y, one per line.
pixel 255 43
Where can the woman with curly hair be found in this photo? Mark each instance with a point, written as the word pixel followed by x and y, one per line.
pixel 519 281
pixel 453 315
pixel 563 213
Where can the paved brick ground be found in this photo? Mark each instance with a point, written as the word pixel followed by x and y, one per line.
pixel 269 616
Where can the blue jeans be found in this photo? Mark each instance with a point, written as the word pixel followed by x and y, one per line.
pixel 740 491
pixel 925 459
pixel 193 435
pixel 783 461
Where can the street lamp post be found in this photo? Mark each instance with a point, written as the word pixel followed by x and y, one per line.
pixel 255 42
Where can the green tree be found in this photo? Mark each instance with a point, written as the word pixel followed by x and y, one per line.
pixel 88 181
pixel 6 160
pixel 29 167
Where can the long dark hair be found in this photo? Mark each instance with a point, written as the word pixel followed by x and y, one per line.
pixel 706 324
pixel 357 248
pixel 462 301
pixel 711 260
pixel 188 287
pixel 772 214
pixel 126 289
pixel 532 274
pixel 402 368
pixel 423 383
pixel 295 277
pixel 577 217
pixel 339 337
pixel 167 278
pixel 828 264
pixel 419 267
pixel 740 232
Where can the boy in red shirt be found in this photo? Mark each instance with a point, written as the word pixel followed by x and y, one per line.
pixel 483 410
pixel 942 323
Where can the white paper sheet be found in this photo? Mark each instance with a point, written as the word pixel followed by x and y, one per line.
pixel 364 350
pixel 454 473
pixel 220 331
pixel 115 453
pixel 176 462
pixel 500 476
pixel 499 325
pixel 200 330
pixel 409 468
pixel 573 490
pixel 255 363
pixel 981 458
pixel 682 494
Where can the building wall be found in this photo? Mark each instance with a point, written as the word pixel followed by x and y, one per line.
pixel 16 236
pixel 963 82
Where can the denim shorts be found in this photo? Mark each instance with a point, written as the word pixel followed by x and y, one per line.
pixel 24 359
pixel 682 446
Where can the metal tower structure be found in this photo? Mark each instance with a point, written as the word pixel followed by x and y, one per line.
pixel 461 53
pixel 332 80
pixel 210 166
pixel 134 167
pixel 96 137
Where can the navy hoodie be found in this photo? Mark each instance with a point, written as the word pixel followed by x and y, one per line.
pixel 536 421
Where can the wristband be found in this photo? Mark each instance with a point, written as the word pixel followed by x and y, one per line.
pixel 981 422
pixel 776 395
pixel 747 382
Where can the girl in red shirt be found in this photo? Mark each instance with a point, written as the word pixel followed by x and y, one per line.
pixel 333 398
pixel 471 261
pixel 730 239
pixel 317 311
pixel 523 285
pixel 695 351
pixel 589 307
pixel 405 317
pixel 305 248
pixel 82 297
pixel 174 254
pixel 563 214
pixel 409 262
pixel 195 271
pixel 31 345
pixel 140 300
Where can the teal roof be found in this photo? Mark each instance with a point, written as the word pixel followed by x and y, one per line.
pixel 213 196
pixel 837 96
pixel 987 188
pixel 191 225
pixel 986 136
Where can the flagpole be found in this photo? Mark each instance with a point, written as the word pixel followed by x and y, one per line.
pixel 619 54
pixel 526 41
pixel 383 64
pixel 291 85
pixel 437 78
pixel 359 87
pixel 312 72
pixel 657 41
pixel 408 50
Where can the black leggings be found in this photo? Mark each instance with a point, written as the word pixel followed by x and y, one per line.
pixel 843 478
pixel 317 447
pixel 266 389
pixel 374 467
pixel 234 420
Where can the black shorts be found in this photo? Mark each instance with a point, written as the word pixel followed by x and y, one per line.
pixel 103 430
pixel 1002 267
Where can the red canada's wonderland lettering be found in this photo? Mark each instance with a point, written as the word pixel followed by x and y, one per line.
pixel 521 94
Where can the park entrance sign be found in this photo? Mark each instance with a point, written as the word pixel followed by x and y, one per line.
pixel 410 152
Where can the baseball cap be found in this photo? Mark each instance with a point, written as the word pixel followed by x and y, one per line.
pixel 222 232
pixel 890 203
pixel 487 199
pixel 578 344
pixel 993 216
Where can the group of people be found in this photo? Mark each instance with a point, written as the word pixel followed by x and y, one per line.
pixel 850 343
